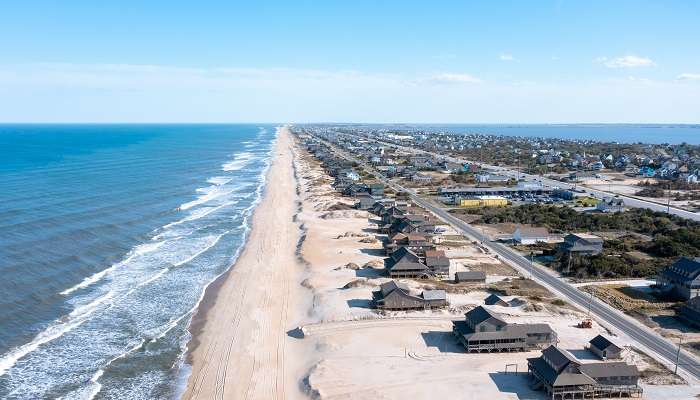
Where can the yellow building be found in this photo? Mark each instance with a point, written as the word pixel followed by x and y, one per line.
pixel 483 201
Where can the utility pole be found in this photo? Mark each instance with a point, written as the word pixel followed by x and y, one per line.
pixel 678 355
pixel 668 202
pixel 590 303
pixel 532 263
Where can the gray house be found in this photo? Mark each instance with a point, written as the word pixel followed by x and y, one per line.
pixel 582 244
pixel 682 279
pixel 365 201
pixel 483 330
pixel 562 376
pixel 604 348
pixel 397 296
pixel 404 263
pixel 470 277
pixel 437 262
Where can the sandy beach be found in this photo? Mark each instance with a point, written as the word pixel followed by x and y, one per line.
pixel 240 348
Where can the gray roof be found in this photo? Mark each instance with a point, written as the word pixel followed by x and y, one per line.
pixel 470 275
pixel 559 358
pixel 535 232
pixel 434 295
pixel 569 379
pixel 390 286
pixel 439 261
pixel 608 369
pixel 404 252
pixel 481 314
pixel 493 299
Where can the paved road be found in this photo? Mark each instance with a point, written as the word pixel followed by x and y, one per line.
pixel 629 201
pixel 600 310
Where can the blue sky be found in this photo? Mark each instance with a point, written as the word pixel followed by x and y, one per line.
pixel 365 61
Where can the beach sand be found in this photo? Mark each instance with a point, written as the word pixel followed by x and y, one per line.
pixel 240 347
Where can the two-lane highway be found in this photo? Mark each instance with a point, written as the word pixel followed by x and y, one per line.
pixel 601 311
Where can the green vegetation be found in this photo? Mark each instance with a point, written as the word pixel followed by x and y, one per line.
pixel 671 237
pixel 586 201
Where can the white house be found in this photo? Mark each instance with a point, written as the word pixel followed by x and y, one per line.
pixel 530 235
pixel 611 205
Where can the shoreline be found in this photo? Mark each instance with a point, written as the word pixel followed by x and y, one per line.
pixel 239 345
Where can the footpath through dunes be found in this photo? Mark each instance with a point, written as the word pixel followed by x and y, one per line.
pixel 240 348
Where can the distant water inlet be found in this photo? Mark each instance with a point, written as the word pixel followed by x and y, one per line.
pixel 107 244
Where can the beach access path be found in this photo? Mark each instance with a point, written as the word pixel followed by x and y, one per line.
pixel 240 348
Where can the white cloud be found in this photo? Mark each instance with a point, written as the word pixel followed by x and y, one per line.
pixel 142 93
pixel 451 78
pixel 628 61
pixel 506 57
pixel 688 77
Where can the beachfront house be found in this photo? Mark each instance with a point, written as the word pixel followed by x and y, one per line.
pixel 582 244
pixel 484 331
pixel 393 295
pixel 365 201
pixel 404 263
pixel 562 376
pixel 682 279
pixel 529 236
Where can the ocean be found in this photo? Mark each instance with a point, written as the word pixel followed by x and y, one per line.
pixel 109 235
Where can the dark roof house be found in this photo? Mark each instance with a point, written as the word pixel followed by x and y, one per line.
pixel 403 263
pixel 561 375
pixel 482 330
pixel 682 279
pixel 604 348
pixel 582 243
pixel 393 295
